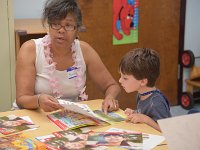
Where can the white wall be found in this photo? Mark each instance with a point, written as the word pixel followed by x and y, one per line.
pixel 28 8
pixel 192 33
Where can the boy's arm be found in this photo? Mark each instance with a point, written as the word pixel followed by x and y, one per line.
pixel 141 118
pixel 151 122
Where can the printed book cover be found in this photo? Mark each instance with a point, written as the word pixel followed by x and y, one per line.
pixel 20 142
pixel 79 115
pixel 12 124
pixel 51 141
pixel 67 139
pixel 71 120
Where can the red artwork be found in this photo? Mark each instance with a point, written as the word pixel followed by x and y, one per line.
pixel 123 12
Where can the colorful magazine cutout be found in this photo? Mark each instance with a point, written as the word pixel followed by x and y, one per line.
pixel 20 142
pixel 12 124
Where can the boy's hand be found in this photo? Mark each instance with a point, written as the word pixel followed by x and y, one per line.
pixel 128 111
pixel 136 118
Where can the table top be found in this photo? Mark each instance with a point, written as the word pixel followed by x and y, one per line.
pixel 39 117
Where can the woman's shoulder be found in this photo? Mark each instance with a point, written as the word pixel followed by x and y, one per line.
pixel 31 44
pixel 84 45
pixel 87 48
pixel 88 51
pixel 28 46
pixel 27 49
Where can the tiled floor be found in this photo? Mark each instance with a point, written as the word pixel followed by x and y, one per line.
pixel 178 110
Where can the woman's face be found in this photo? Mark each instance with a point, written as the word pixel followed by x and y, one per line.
pixel 63 37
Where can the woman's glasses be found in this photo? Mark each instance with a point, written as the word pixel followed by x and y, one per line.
pixel 58 27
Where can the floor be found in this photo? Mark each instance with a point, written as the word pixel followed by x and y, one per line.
pixel 178 110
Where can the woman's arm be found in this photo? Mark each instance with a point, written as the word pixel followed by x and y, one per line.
pixel 101 77
pixel 25 76
pixel 25 81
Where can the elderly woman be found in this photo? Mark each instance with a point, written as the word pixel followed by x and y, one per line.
pixel 55 66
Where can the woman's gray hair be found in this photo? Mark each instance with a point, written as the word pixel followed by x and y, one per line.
pixel 55 10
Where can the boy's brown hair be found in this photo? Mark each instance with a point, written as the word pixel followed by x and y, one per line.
pixel 141 63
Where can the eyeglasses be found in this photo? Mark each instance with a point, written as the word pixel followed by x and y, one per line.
pixel 58 27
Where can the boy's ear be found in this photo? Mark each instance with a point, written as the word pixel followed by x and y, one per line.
pixel 144 82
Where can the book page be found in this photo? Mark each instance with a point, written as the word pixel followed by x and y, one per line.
pixel 71 120
pixel 110 117
pixel 77 107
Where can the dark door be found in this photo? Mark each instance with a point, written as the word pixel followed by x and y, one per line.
pixel 159 22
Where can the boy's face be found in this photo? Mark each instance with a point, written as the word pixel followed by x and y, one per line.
pixel 129 83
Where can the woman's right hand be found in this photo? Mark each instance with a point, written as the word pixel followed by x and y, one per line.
pixel 48 103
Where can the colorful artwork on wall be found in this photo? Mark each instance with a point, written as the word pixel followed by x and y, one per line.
pixel 125 21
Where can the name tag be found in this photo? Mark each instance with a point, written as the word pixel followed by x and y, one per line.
pixel 71 72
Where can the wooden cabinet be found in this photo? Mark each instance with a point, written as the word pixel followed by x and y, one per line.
pixel 26 29
pixel 159 29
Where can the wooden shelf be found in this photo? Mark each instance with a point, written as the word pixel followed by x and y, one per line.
pixel 29 26
pixel 26 29
pixel 192 84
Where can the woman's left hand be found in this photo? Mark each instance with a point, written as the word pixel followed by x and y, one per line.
pixel 110 104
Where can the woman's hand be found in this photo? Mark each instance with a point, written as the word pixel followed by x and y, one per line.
pixel 110 104
pixel 48 103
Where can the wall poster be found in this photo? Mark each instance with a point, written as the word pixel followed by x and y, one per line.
pixel 125 21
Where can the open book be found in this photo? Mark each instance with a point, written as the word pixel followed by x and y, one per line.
pixel 79 115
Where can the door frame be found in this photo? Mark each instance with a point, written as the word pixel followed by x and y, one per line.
pixel 181 48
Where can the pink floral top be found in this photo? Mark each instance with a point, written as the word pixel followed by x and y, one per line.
pixel 70 83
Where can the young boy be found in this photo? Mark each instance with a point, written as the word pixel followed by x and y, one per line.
pixel 139 70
